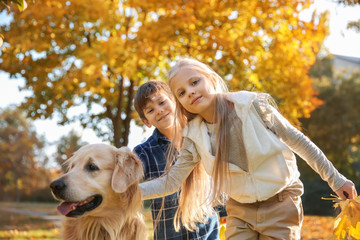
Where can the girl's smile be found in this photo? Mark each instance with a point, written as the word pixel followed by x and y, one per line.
pixel 196 100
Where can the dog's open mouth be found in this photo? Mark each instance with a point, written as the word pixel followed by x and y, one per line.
pixel 74 209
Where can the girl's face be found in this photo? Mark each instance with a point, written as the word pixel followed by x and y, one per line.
pixel 195 92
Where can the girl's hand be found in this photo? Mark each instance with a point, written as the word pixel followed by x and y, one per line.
pixel 347 191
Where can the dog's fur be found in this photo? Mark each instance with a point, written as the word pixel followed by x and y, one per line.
pixel 112 175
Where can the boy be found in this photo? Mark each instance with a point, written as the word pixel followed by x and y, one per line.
pixel 155 105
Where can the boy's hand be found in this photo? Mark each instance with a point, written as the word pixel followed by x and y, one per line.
pixel 347 191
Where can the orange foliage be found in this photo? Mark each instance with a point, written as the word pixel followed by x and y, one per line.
pixel 316 227
pixel 97 51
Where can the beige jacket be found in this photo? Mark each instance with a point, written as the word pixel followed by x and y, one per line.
pixel 271 164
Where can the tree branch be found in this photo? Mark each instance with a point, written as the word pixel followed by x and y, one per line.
pixel 128 112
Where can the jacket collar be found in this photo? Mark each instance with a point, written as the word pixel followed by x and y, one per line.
pixel 196 129
pixel 158 136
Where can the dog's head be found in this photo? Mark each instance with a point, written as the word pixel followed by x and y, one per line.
pixel 96 174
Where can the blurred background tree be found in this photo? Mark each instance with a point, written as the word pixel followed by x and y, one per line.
pixel 95 53
pixel 355 25
pixel 66 146
pixel 21 4
pixel 22 171
pixel 335 128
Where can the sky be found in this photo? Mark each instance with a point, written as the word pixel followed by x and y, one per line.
pixel 340 41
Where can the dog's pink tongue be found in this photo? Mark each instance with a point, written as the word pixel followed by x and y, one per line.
pixel 66 207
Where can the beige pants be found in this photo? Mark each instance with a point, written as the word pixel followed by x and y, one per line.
pixel 279 217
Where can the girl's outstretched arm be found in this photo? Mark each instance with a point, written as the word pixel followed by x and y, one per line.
pixel 171 182
pixel 305 148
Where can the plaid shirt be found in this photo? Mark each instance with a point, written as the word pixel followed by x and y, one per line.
pixel 153 156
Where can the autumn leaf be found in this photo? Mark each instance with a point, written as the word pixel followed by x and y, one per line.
pixel 347 223
pixel 222 228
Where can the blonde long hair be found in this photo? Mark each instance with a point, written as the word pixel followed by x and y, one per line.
pixel 200 192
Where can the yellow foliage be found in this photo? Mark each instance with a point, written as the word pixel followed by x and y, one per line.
pixel 254 45
pixel 347 223
pixel 222 228
pixel 222 232
pixel 90 70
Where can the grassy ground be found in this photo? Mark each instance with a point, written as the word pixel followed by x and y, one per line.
pixel 18 226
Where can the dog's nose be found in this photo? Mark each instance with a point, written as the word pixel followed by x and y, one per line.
pixel 57 186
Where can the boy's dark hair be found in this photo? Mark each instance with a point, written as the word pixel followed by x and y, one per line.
pixel 145 91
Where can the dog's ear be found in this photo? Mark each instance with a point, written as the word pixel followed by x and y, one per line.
pixel 128 170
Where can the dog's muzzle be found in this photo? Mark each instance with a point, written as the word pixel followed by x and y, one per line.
pixel 73 209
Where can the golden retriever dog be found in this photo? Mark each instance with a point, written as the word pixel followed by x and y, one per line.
pixel 100 196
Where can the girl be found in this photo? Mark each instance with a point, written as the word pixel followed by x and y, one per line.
pixel 246 146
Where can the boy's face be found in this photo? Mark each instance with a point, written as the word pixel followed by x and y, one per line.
pixel 159 111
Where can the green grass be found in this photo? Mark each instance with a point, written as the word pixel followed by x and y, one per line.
pixel 20 226
pixel 17 226
pixel 21 222
pixel 31 234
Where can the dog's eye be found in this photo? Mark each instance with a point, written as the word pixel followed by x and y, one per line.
pixel 92 167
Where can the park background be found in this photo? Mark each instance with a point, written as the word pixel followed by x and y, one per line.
pixel 69 71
